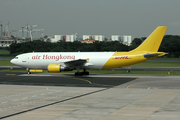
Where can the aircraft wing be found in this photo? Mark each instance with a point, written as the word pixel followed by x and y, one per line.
pixel 79 62
pixel 151 55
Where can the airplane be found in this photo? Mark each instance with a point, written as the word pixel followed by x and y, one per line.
pixel 56 62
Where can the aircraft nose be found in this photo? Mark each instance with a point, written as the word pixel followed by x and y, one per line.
pixel 12 61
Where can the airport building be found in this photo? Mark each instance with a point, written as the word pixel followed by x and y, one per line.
pixel 95 37
pixel 125 39
pixel 7 41
pixel 99 37
pixel 116 38
pixel 66 38
pixel 88 41
pixel 57 38
pixel 87 37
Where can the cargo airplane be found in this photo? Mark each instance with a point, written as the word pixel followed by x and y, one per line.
pixel 56 62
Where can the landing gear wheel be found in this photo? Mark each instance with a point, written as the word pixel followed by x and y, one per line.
pixel 81 73
pixel 78 74
pixel 86 73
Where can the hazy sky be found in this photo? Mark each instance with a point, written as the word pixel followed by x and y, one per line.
pixel 92 17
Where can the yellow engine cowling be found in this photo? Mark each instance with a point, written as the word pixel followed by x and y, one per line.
pixel 56 68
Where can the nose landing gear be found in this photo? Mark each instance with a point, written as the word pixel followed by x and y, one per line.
pixel 28 71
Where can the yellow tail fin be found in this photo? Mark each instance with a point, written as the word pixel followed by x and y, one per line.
pixel 153 42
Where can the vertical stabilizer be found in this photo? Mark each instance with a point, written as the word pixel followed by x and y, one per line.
pixel 154 40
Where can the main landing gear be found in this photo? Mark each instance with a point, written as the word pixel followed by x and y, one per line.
pixel 81 73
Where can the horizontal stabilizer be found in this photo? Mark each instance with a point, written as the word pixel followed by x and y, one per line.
pixel 151 55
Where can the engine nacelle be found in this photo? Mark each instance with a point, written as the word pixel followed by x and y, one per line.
pixel 56 68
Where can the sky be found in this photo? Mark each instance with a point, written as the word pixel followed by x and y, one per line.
pixel 137 18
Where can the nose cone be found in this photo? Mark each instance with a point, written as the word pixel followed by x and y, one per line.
pixel 12 61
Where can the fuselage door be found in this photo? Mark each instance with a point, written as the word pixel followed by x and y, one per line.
pixel 24 59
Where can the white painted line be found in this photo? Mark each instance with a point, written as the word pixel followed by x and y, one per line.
pixel 34 96
pixel 15 100
pixel 4 102
pixel 25 98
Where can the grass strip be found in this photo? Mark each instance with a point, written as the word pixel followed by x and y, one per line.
pixel 4 52
pixel 157 64
pixel 5 63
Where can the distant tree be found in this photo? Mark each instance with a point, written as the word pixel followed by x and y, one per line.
pixel 105 39
pixel 170 44
pixel 143 38
pixel 137 41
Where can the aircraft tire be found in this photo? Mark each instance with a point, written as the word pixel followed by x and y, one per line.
pixel 78 74
pixel 86 73
pixel 81 73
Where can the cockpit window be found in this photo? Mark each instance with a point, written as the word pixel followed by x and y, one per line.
pixel 16 58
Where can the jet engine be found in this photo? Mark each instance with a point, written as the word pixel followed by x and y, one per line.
pixel 55 68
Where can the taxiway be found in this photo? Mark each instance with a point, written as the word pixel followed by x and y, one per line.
pixel 97 97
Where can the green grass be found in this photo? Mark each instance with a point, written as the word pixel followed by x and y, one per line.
pixel 5 63
pixel 166 58
pixel 4 52
pixel 157 64
pixel 14 71
pixel 9 56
